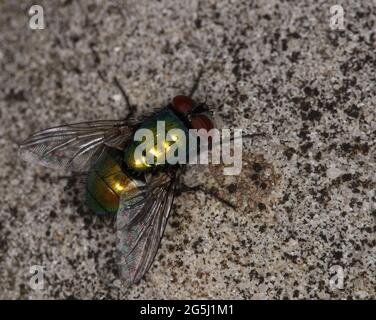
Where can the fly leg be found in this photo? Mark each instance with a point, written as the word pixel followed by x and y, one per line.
pixel 196 83
pixel 131 108
pixel 97 63
pixel 182 188
pixel 253 135
pixel 232 139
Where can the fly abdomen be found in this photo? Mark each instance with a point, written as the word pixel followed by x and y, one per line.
pixel 107 182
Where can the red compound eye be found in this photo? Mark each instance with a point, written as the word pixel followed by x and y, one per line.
pixel 183 104
pixel 201 122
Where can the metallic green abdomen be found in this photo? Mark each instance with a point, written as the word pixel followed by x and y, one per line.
pixel 158 152
pixel 107 182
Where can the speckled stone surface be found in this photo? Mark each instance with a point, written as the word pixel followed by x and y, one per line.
pixel 305 198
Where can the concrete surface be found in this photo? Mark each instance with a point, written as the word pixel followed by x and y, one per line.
pixel 306 196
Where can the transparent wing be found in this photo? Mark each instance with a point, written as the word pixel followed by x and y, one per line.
pixel 141 221
pixel 74 146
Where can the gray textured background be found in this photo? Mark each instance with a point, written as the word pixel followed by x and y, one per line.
pixel 305 198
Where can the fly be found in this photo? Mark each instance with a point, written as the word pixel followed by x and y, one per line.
pixel 138 194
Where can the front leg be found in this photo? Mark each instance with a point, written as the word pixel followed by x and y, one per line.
pixel 182 188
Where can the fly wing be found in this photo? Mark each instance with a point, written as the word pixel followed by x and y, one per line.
pixel 141 221
pixel 75 146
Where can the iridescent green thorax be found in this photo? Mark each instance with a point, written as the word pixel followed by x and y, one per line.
pixel 171 121
pixel 107 182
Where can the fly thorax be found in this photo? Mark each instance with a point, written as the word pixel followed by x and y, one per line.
pixel 161 140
